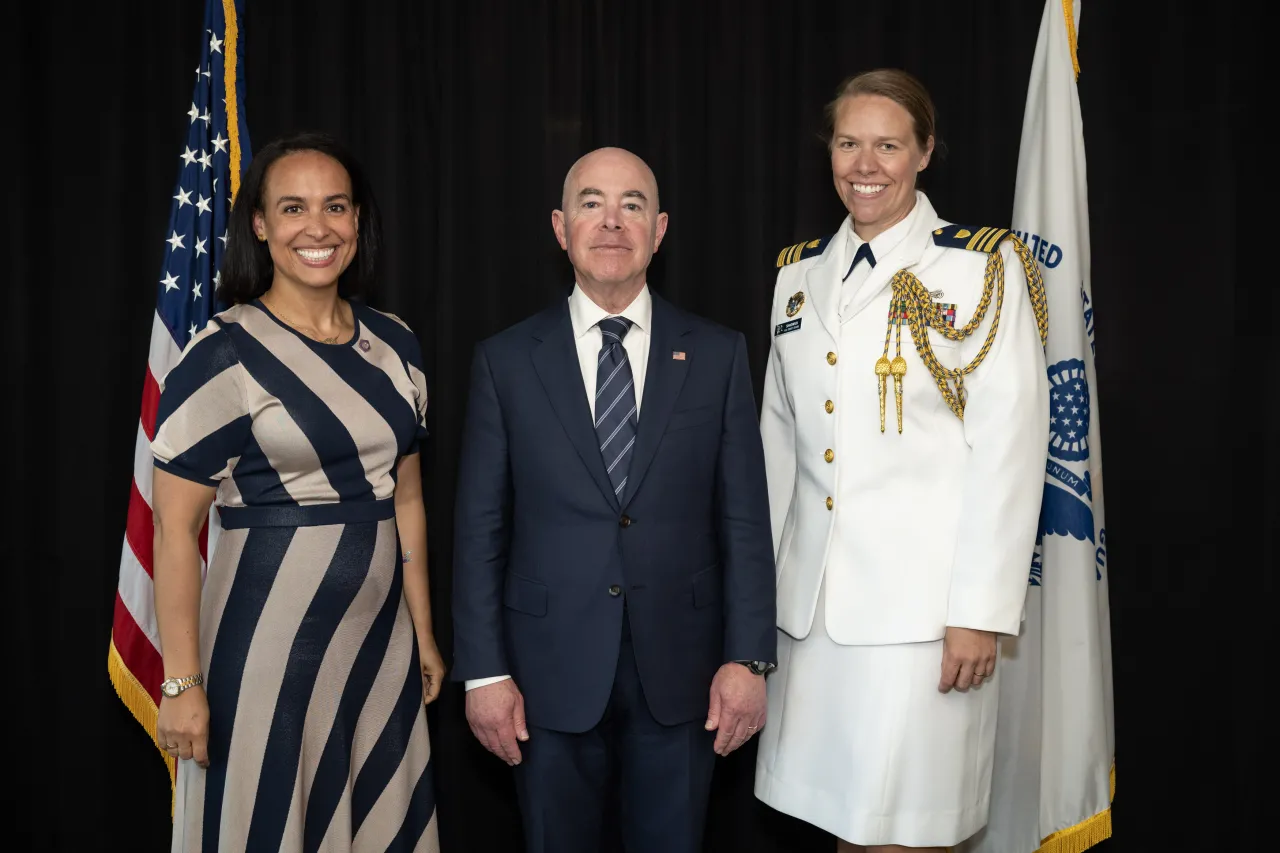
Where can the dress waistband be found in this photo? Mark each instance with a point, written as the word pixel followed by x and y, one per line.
pixel 313 515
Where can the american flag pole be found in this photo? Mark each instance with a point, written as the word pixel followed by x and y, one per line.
pixel 213 158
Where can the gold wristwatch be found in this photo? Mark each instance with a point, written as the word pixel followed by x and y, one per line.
pixel 173 687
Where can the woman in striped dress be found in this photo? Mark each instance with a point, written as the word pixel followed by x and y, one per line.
pixel 296 678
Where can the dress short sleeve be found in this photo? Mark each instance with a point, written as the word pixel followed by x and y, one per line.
pixel 413 364
pixel 203 422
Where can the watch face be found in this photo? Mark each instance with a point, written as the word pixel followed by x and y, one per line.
pixel 170 689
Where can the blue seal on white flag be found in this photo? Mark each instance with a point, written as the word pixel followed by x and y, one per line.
pixel 1067 507
pixel 1069 411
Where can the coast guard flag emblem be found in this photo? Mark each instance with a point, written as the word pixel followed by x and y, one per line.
pixel 1054 771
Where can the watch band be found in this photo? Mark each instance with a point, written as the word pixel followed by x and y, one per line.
pixel 758 667
pixel 173 687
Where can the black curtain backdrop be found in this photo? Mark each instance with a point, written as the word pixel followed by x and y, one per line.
pixel 467 116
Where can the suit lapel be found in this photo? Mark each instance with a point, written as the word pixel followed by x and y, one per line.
pixel 663 379
pixel 556 360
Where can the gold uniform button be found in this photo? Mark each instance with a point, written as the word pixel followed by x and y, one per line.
pixel 830 503
pixel 830 407
pixel 831 358
pixel 829 455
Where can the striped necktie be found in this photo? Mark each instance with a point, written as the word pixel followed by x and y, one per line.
pixel 616 414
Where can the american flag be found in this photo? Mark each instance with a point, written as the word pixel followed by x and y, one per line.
pixel 213 158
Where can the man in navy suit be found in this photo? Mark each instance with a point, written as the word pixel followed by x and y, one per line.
pixel 614 606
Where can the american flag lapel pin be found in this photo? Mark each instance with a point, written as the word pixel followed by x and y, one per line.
pixel 677 355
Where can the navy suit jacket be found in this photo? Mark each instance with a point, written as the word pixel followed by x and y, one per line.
pixel 545 555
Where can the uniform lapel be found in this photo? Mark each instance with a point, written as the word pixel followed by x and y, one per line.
pixel 556 360
pixel 820 286
pixel 664 377
pixel 906 254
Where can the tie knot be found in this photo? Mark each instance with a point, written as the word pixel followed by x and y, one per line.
pixel 614 329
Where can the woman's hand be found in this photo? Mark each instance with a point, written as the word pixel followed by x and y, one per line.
pixel 432 670
pixel 182 726
pixel 968 656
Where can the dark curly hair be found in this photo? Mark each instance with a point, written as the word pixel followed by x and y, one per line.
pixel 247 269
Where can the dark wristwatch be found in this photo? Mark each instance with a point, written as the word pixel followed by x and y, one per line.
pixel 758 667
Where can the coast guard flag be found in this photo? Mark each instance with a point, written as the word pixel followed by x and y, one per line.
pixel 214 155
pixel 1053 778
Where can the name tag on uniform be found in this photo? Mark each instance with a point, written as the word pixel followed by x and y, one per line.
pixel 783 328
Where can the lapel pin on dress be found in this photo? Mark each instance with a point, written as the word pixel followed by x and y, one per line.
pixel 364 344
pixel 676 355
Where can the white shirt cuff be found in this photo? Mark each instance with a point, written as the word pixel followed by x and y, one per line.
pixel 473 683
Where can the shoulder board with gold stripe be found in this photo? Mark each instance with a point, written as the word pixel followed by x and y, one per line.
pixel 800 251
pixel 966 237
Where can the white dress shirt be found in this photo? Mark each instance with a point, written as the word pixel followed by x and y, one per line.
pixel 585 316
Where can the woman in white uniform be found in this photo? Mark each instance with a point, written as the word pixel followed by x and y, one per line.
pixel 905 422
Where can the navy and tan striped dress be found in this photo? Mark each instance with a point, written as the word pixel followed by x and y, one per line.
pixel 317 736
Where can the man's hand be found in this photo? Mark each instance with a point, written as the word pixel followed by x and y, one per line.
pixel 738 704
pixel 968 656
pixel 495 713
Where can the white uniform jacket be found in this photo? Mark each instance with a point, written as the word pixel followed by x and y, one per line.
pixel 917 531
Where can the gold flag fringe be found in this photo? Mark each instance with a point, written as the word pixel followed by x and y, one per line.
pixel 1071 35
pixel 139 703
pixel 1087 833
pixel 229 62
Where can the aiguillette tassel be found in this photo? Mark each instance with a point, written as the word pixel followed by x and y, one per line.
pixel 882 371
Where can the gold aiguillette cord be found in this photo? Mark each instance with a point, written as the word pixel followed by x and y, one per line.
pixel 883 367
pixel 896 368
pixel 899 369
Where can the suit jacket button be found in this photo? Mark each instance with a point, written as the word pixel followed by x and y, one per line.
pixel 830 503
pixel 831 358
pixel 830 407
pixel 625 521
pixel 615 590
pixel 829 455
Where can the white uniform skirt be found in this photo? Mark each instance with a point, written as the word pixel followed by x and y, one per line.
pixel 860 743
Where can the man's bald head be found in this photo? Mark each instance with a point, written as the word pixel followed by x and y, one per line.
pixel 609 222
pixel 608 157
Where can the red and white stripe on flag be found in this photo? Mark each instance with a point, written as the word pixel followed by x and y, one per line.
pixel 134 662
